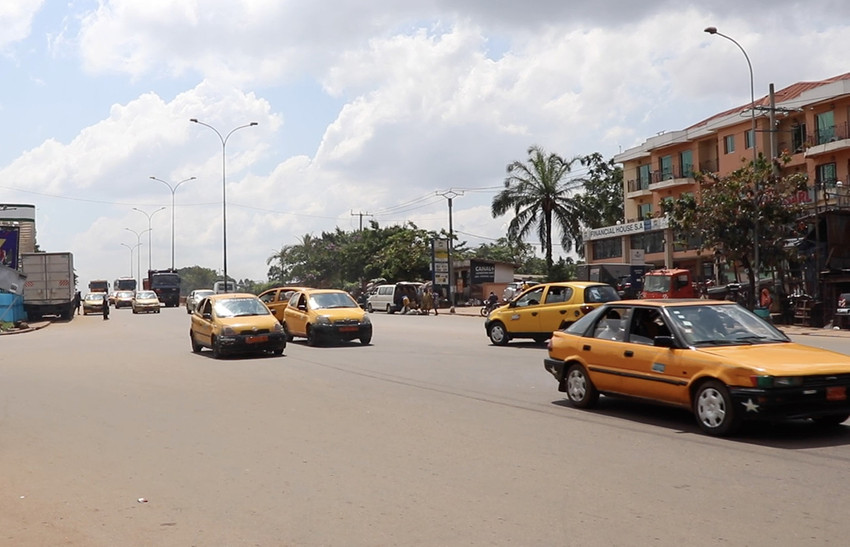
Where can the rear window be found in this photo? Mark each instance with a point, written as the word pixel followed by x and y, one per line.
pixel 598 294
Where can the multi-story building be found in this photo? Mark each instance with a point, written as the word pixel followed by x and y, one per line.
pixel 811 122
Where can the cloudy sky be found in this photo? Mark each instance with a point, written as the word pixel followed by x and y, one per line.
pixel 361 107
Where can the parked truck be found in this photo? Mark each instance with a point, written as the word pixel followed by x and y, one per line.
pixel 166 285
pixel 627 279
pixel 49 287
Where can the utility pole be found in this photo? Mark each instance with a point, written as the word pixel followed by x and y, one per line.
pixel 361 215
pixel 450 195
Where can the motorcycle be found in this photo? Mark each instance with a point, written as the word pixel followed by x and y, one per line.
pixel 488 307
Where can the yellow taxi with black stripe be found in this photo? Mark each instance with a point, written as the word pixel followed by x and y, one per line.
pixel 326 314
pixel 716 358
pixel 235 323
pixel 543 308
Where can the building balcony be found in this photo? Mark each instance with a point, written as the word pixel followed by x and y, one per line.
pixel 637 188
pixel 669 178
pixel 828 140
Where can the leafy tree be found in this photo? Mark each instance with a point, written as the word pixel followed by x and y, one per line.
pixel 196 277
pixel 601 202
pixel 540 197
pixel 731 207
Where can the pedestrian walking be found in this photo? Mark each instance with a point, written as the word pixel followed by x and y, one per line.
pixel 427 301
pixel 105 307
pixel 77 302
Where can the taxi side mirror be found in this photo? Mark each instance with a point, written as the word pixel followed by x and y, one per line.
pixel 207 315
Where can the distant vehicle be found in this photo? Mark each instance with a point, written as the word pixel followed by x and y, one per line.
pixel 166 285
pixel 145 302
pixel 124 284
pixel 235 323
pixel 218 287
pixel 389 297
pixel 715 358
pixel 663 283
pixel 93 303
pixel 326 314
pixel 196 296
pixel 49 284
pixel 123 299
pixel 99 285
pixel 626 278
pixel 544 308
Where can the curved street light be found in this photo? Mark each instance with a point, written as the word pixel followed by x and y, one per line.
pixel 138 258
pixel 756 259
pixel 223 185
pixel 131 247
pixel 173 190
pixel 149 230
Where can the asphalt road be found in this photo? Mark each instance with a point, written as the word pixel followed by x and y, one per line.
pixel 114 433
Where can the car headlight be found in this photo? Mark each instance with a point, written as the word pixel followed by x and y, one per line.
pixel 227 331
pixel 323 320
pixel 776 381
pixel 365 320
pixel 278 327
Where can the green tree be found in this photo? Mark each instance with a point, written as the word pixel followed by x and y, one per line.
pixel 540 198
pixel 732 208
pixel 601 201
pixel 196 277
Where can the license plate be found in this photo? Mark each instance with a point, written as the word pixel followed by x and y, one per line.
pixel 837 393
pixel 347 329
pixel 256 339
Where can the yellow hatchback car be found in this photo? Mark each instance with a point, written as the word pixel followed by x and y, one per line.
pixel 235 323
pixel 544 308
pixel 326 314
pixel 715 358
pixel 278 298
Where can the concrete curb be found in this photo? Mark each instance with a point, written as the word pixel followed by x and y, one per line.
pixel 38 325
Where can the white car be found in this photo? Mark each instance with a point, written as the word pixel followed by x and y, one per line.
pixel 196 296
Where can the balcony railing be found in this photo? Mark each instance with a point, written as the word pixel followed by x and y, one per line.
pixel 829 134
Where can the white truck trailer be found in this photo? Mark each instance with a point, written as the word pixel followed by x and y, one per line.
pixel 49 287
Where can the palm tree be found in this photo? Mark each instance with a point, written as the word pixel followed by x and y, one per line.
pixel 538 194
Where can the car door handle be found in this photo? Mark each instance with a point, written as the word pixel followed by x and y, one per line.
pixel 562 312
pixel 534 314
pixel 629 353
pixel 585 348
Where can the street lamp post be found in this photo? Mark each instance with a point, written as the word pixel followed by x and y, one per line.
pixel 138 256
pixel 223 186
pixel 450 195
pixel 130 247
pixel 173 190
pixel 756 260
pixel 149 230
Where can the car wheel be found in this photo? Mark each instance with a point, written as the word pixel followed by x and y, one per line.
pixel 277 351
pixel 196 347
pixel 389 309
pixel 369 308
pixel 216 348
pixel 540 339
pixel 580 390
pixel 714 410
pixel 365 339
pixel 498 334
pixel 286 333
pixel 311 337
pixel 833 420
pixel 135 311
pixel 157 310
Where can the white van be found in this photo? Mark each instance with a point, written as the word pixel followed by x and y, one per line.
pixel 388 297
pixel 218 287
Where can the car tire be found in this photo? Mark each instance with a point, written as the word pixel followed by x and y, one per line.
pixel 832 420
pixel 216 349
pixel 286 333
pixel 369 308
pixel 498 334
pixel 541 339
pixel 196 347
pixel 277 351
pixel 714 410
pixel 365 339
pixel 389 309
pixel 311 337
pixel 580 390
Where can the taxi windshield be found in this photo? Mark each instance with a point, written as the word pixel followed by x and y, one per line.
pixel 238 307
pixel 321 301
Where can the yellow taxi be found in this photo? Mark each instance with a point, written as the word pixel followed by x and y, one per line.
pixel 544 308
pixel 326 314
pixel 277 299
pixel 235 323
pixel 715 358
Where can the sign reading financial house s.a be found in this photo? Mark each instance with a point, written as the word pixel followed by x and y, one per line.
pixel 617 230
